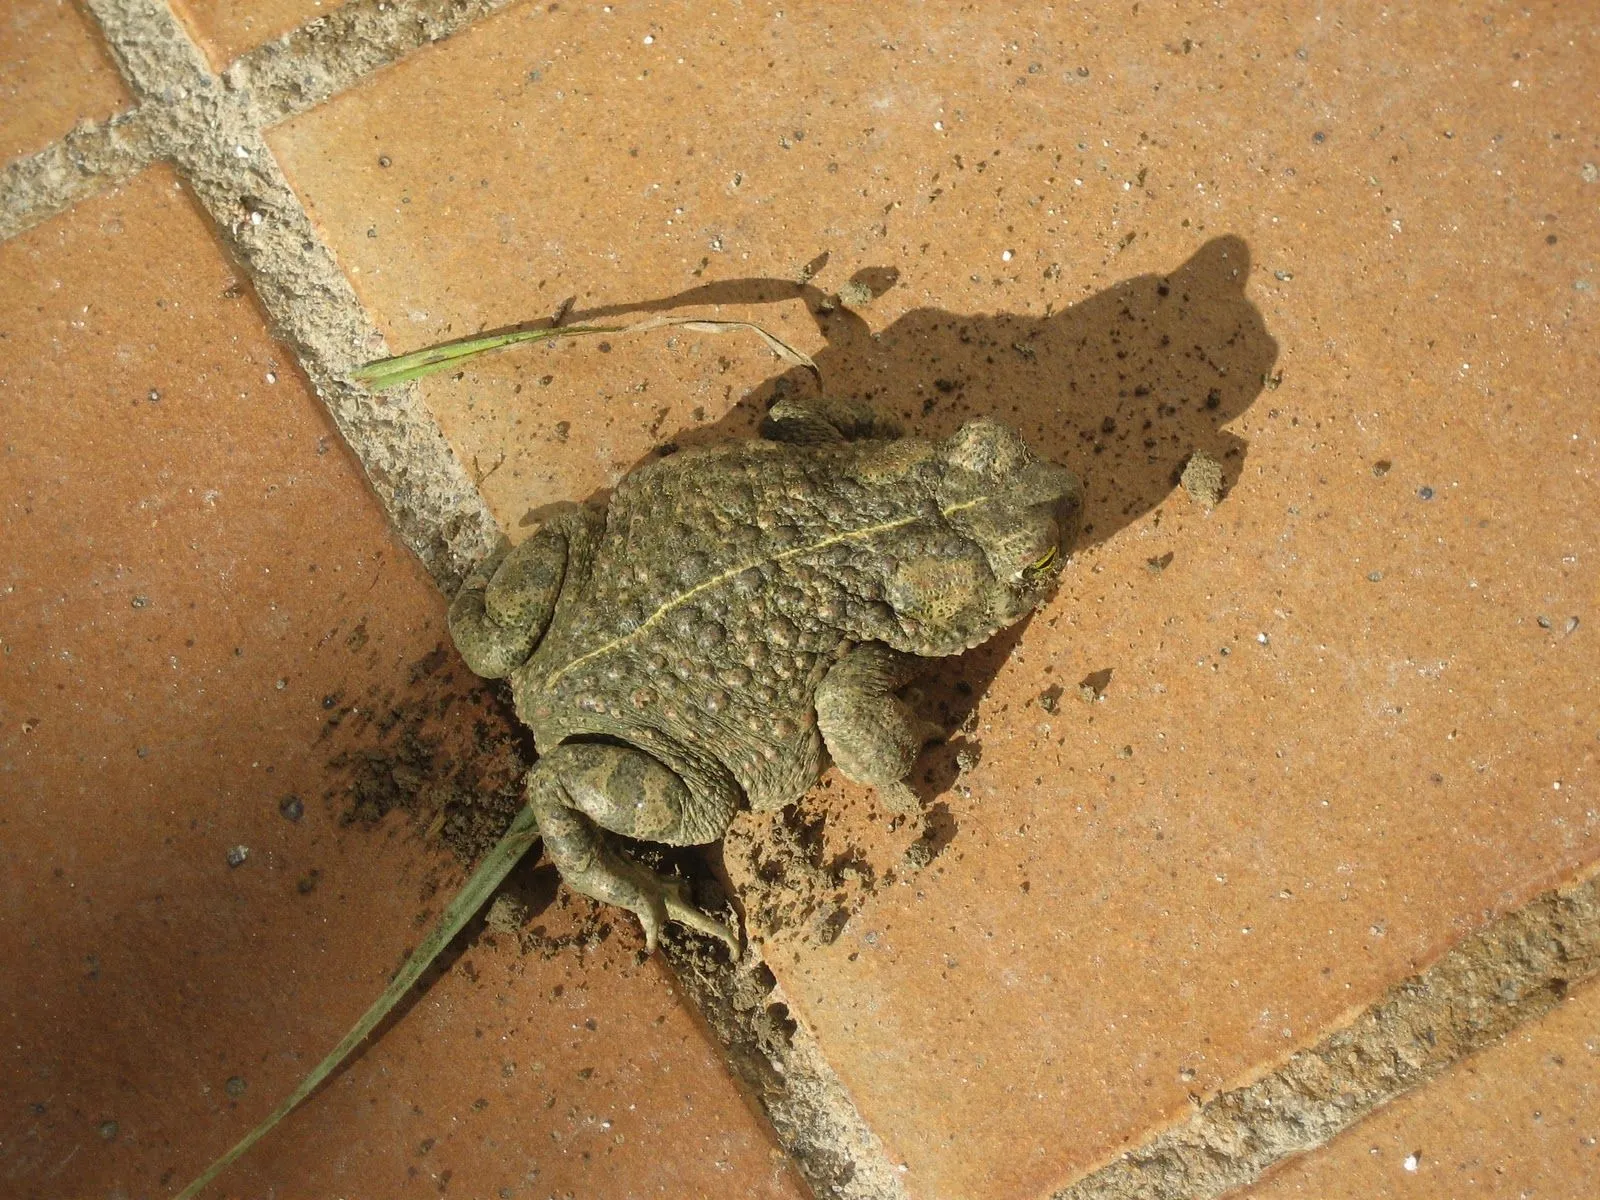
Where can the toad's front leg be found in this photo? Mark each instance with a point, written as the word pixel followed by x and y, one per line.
pixel 871 733
pixel 582 787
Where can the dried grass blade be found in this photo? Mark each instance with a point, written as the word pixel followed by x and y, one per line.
pixel 701 325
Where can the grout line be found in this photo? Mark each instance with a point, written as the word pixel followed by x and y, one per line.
pixel 1487 985
pixel 782 1067
pixel 276 80
pixel 94 156
pixel 208 130
pixel 335 52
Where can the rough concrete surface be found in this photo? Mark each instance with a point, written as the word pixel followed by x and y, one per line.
pixel 1493 981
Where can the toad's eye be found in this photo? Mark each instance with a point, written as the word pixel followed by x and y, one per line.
pixel 1042 562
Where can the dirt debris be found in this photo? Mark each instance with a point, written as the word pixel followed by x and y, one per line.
pixel 802 873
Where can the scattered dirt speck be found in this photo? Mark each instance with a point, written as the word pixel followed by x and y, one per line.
pixel 1093 685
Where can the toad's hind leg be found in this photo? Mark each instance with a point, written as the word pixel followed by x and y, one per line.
pixel 871 733
pixel 579 788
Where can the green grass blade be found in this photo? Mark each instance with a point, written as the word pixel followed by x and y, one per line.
pixel 389 372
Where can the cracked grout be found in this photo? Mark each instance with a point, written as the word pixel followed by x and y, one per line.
pixel 1507 974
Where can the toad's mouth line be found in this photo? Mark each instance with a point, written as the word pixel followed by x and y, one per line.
pixel 716 581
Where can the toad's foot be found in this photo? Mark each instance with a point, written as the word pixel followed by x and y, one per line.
pixel 898 797
pixel 666 899
pixel 654 898
pixel 872 734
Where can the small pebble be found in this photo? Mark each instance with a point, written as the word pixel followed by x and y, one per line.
pixel 1413 1160
pixel 108 1130
pixel 235 1086
pixel 855 294
pixel 1202 479
pixel 1381 467
pixel 1375 576
pixel 1425 492
pixel 237 855
pixel 141 601
pixel 291 808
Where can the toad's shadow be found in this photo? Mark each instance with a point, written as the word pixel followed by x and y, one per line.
pixel 1121 387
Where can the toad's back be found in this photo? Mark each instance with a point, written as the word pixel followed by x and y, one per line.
pixel 727 580
pixel 724 583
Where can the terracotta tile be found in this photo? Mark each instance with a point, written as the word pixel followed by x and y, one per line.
pixel 1349 256
pixel 212 641
pixel 1521 1119
pixel 54 72
pixel 226 29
